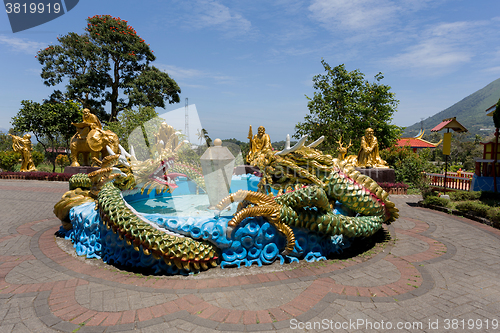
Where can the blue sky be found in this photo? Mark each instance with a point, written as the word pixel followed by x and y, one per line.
pixel 251 62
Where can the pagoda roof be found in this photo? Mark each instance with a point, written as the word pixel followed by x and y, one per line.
pixel 416 143
pixel 490 110
pixel 451 123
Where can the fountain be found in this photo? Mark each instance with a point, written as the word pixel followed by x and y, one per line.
pixel 155 213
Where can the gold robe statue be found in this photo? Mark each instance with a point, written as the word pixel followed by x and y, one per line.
pixel 368 156
pixel 23 146
pixel 260 143
pixel 90 122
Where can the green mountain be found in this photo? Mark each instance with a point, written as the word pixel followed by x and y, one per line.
pixel 470 112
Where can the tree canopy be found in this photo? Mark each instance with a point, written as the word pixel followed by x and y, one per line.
pixel 496 115
pixel 129 120
pixel 344 105
pixel 49 122
pixel 109 63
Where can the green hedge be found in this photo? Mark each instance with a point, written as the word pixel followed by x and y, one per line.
pixel 478 208
pixel 482 210
pixel 436 201
pixel 464 196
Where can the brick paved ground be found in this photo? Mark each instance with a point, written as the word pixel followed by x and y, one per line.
pixel 441 270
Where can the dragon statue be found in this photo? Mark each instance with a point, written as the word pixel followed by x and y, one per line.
pixel 313 183
pixel 310 186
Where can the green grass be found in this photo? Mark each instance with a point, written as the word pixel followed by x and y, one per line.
pixel 413 191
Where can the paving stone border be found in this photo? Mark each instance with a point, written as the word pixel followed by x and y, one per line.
pixel 58 308
pixel 55 303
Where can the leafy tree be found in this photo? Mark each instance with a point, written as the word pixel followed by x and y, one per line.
pixel 50 123
pixel 129 120
pixel 62 161
pixel 5 142
pixel 38 157
pixel 465 149
pixel 344 105
pixel 408 166
pixel 107 61
pixel 496 115
pixel 208 140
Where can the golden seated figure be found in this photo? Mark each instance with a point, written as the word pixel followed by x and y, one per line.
pixel 368 156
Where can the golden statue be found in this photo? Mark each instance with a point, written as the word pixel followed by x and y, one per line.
pixel 90 122
pixel 368 156
pixel 23 146
pixel 351 160
pixel 91 139
pixel 260 143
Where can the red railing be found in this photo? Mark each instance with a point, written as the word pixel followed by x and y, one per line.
pixel 452 182
pixel 461 174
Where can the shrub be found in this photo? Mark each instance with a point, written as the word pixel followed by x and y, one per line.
pixel 436 201
pixel 429 192
pixel 485 195
pixel 408 166
pixel 478 208
pixel 494 217
pixel 38 157
pixel 65 176
pixel 464 196
pixel 393 185
pixel 62 160
pixel 38 175
pixel 9 159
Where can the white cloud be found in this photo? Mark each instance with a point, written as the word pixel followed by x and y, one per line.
pixel 21 45
pixel 212 14
pixel 355 15
pixel 492 70
pixel 181 73
pixel 433 54
pixel 194 75
pixel 441 48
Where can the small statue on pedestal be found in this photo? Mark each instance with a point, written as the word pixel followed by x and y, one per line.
pixel 368 156
pixel 260 144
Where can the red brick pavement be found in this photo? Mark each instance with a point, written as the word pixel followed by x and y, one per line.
pixel 63 304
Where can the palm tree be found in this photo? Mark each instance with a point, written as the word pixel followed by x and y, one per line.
pixel 200 135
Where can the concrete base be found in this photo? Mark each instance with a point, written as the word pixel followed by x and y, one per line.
pixel 380 175
pixel 79 169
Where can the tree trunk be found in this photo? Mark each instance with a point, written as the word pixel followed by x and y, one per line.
pixel 114 93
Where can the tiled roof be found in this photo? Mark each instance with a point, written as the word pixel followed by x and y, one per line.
pixel 451 123
pixel 415 143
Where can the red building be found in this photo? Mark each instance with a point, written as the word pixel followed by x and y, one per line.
pixel 417 142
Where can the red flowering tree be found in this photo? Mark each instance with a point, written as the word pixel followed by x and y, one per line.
pixel 109 63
